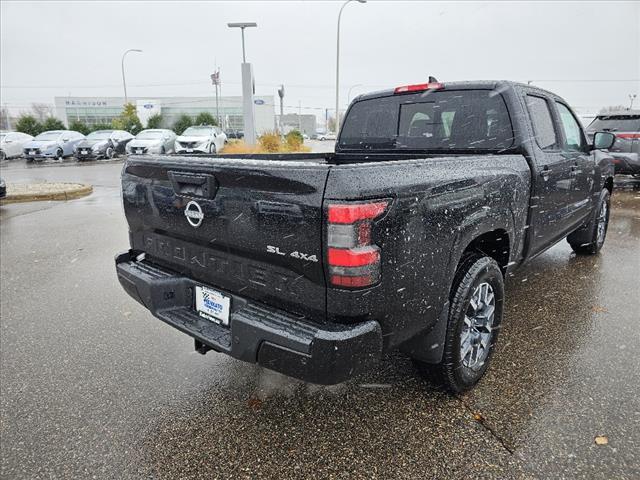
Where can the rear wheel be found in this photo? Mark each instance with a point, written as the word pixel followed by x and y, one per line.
pixel 60 154
pixel 109 152
pixel 3 156
pixel 212 149
pixel 475 315
pixel 589 239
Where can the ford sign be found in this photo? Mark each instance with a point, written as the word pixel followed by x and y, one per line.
pixel 148 105
pixel 258 101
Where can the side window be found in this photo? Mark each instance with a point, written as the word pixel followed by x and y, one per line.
pixel 542 122
pixel 571 128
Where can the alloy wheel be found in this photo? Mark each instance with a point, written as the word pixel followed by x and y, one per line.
pixel 602 222
pixel 475 339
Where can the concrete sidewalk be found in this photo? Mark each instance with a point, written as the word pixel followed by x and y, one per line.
pixel 32 192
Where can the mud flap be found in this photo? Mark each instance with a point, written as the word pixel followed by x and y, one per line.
pixel 428 347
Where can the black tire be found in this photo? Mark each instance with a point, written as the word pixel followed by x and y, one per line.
pixel 212 149
pixel 454 372
pixel 60 154
pixel 3 156
pixel 109 153
pixel 163 150
pixel 589 239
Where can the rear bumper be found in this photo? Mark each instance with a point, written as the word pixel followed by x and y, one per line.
pixel 319 353
pixel 626 163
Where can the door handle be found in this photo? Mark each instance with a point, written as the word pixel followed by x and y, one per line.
pixel 192 185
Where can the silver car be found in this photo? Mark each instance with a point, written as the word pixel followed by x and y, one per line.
pixel 12 144
pixel 625 125
pixel 158 140
pixel 52 144
pixel 201 139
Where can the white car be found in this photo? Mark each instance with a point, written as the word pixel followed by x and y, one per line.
pixel 327 136
pixel 156 140
pixel 12 144
pixel 201 139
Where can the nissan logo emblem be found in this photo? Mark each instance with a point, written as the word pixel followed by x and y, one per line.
pixel 194 214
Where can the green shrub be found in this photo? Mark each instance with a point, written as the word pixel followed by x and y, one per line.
pixel 205 118
pixel 270 142
pixel 29 125
pixel 155 121
pixel 294 140
pixel 183 122
pixel 52 123
pixel 128 120
pixel 79 126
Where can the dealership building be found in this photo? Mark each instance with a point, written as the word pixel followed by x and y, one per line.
pixel 96 110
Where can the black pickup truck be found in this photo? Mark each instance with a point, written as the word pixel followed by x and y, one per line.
pixel 313 265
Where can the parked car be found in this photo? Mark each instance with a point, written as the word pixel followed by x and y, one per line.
pixel 52 144
pixel 3 188
pixel 157 140
pixel 102 144
pixel 313 265
pixel 625 125
pixel 12 144
pixel 327 136
pixel 235 134
pixel 201 139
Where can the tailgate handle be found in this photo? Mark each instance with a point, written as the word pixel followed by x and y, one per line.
pixel 193 185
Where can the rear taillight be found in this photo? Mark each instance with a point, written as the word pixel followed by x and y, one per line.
pixel 628 136
pixel 352 258
pixel 420 87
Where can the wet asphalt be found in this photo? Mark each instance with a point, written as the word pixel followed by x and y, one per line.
pixel 92 386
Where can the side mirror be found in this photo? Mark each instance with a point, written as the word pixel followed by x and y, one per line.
pixel 603 140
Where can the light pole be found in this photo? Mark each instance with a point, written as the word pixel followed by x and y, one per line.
pixel 242 26
pixel 632 97
pixel 124 81
pixel 338 62
pixel 248 112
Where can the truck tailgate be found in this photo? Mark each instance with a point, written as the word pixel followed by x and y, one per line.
pixel 251 228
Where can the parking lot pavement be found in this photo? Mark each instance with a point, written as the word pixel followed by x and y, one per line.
pixel 93 386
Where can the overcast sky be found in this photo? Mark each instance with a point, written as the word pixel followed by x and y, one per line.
pixel 588 52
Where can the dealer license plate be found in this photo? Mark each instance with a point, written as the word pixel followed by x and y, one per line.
pixel 213 305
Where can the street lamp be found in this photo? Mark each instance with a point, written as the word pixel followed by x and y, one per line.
pixel 124 82
pixel 248 113
pixel 242 26
pixel 632 97
pixel 338 62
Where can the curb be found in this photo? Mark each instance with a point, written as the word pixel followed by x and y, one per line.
pixel 45 192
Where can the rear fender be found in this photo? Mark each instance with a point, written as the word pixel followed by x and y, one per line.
pixel 429 345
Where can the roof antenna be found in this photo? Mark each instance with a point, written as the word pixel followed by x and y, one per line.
pixel 432 79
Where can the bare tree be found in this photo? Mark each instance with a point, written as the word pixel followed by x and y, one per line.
pixel 42 111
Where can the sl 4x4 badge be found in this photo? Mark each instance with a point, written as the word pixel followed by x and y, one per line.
pixel 295 254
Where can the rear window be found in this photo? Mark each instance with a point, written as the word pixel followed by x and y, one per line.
pixel 615 123
pixel 433 120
